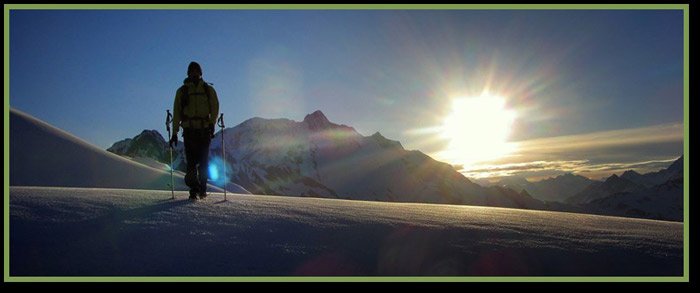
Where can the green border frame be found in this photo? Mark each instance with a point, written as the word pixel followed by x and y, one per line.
pixel 686 243
pixel 345 6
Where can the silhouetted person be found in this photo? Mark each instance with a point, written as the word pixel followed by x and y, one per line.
pixel 196 109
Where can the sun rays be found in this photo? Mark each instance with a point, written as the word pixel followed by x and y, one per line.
pixel 478 129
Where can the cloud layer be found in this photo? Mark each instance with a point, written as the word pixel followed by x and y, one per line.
pixel 594 155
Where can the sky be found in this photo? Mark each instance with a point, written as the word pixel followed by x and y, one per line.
pixel 590 91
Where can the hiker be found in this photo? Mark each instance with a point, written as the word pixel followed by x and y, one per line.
pixel 196 109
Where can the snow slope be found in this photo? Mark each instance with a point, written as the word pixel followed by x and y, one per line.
pixel 105 232
pixel 43 155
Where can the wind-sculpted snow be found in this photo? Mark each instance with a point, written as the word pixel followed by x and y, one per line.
pixel 43 155
pixel 106 232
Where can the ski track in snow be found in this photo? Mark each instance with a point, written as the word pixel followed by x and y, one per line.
pixel 122 232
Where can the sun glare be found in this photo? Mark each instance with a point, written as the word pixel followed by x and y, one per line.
pixel 478 130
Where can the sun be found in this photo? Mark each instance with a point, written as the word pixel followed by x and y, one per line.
pixel 477 129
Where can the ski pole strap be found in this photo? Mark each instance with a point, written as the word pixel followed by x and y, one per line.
pixel 168 120
pixel 221 120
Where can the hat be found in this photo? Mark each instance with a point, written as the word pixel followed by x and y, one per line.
pixel 194 67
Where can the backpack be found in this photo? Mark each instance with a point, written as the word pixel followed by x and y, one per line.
pixel 185 101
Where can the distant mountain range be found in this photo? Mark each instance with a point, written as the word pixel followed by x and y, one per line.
pixel 597 190
pixel 557 189
pixel 656 195
pixel 656 178
pixel 318 158
pixel 663 202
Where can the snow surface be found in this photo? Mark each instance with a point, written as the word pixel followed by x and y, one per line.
pixel 43 155
pixel 107 232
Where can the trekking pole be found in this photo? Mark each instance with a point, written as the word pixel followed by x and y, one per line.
pixel 168 120
pixel 223 151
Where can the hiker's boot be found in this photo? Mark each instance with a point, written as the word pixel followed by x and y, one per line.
pixel 193 194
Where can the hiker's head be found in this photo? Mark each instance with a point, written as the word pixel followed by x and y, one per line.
pixel 194 70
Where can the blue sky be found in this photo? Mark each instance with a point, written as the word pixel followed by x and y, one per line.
pixel 107 75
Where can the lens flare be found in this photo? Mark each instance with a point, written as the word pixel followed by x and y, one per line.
pixel 213 172
pixel 216 171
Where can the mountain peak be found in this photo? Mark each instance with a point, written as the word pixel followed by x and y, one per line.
pixel 615 180
pixel 152 132
pixel 524 193
pixel 316 116
pixel 514 180
pixel 317 120
pixel 385 142
pixel 613 177
pixel 630 173
pixel 677 165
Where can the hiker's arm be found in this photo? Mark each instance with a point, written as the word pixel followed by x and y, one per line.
pixel 213 105
pixel 176 112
